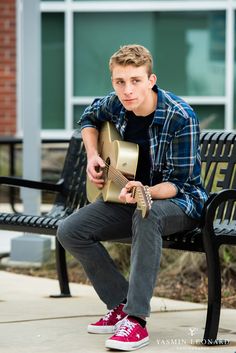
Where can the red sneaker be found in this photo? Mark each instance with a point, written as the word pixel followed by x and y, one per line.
pixel 110 322
pixel 129 336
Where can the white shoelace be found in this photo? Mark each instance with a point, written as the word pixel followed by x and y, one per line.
pixel 125 329
pixel 107 316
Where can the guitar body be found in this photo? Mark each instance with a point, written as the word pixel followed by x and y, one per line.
pixel 121 155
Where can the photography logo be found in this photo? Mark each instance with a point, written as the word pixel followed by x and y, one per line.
pixel 191 342
pixel 181 342
pixel 193 331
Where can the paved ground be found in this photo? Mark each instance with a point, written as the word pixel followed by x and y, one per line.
pixel 32 322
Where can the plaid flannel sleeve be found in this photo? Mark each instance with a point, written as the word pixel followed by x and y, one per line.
pixel 182 155
pixel 99 111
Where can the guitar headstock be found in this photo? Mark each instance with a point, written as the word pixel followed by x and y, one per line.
pixel 143 198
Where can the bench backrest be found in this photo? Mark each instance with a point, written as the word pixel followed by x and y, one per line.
pixel 218 154
pixel 73 174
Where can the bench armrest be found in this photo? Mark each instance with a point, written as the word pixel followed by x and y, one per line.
pixel 213 204
pixel 32 184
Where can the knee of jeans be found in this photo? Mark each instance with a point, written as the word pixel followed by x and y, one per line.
pixel 70 233
pixel 62 233
pixel 65 233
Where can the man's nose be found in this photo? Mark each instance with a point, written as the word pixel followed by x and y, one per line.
pixel 128 88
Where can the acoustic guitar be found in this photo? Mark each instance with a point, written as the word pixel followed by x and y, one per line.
pixel 121 159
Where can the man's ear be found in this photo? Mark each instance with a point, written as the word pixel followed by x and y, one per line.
pixel 152 79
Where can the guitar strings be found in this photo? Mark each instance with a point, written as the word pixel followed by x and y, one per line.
pixel 118 176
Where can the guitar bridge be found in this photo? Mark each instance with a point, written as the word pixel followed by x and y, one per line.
pixel 129 176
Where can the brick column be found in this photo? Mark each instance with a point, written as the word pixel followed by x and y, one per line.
pixel 7 67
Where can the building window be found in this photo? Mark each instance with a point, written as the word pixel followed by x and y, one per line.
pixel 190 43
pixel 190 52
pixel 53 67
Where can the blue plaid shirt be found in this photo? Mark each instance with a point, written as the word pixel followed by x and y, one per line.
pixel 174 144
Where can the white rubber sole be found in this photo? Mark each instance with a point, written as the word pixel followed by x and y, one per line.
pixel 126 346
pixel 100 329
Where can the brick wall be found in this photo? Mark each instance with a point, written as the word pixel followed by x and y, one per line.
pixel 7 67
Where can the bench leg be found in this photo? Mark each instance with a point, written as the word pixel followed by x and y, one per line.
pixel 214 295
pixel 62 272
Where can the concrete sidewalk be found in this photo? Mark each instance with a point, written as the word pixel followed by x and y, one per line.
pixel 32 322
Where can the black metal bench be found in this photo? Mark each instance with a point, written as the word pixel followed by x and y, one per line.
pixel 218 226
pixel 70 193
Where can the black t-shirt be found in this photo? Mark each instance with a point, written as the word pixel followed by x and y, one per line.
pixel 137 132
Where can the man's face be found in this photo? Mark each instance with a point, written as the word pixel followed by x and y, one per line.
pixel 133 87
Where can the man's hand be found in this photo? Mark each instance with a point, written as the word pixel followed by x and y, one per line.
pixel 95 168
pixel 126 194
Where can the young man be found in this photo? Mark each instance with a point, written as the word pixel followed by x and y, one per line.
pixel 167 132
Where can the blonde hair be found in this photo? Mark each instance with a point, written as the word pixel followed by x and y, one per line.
pixel 132 54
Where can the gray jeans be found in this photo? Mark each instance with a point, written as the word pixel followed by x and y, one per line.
pixel 82 232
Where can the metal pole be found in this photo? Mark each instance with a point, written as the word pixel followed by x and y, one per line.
pixel 30 97
pixel 30 248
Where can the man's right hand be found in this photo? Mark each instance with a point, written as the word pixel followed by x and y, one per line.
pixel 95 168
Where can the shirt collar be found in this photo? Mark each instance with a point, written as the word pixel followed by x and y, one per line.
pixel 160 113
